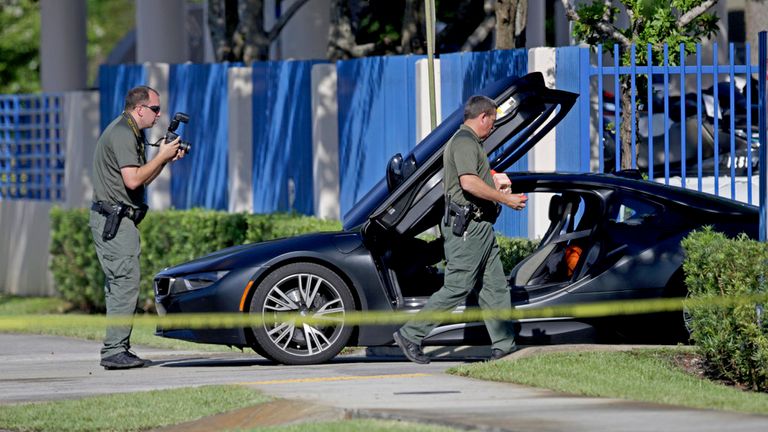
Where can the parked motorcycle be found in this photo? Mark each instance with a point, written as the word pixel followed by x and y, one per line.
pixel 743 156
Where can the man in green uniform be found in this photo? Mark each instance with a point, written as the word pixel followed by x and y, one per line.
pixel 120 172
pixel 472 256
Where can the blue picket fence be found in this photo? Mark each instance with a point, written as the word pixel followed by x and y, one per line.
pixel 685 136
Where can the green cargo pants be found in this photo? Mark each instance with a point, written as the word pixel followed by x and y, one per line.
pixel 471 261
pixel 119 258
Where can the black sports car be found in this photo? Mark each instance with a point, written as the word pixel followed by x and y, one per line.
pixel 627 231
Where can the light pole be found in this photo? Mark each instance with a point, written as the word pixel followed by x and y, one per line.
pixel 430 13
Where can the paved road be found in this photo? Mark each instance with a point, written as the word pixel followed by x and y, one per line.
pixel 37 368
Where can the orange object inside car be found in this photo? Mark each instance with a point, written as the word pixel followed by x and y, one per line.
pixel 572 255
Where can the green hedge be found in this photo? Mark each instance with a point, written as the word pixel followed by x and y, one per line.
pixel 733 339
pixel 513 250
pixel 173 237
pixel 167 238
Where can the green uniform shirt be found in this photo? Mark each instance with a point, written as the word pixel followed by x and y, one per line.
pixel 464 154
pixel 121 145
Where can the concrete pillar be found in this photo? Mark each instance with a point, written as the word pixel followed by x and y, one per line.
pixel 63 63
pixel 81 125
pixel 535 36
pixel 542 157
pixel 161 34
pixel 159 191
pixel 240 164
pixel 325 142
pixel 423 122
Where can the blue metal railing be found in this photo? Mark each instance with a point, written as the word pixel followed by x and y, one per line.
pixel 716 123
pixel 32 152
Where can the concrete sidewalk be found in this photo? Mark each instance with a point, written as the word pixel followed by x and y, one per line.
pixel 39 368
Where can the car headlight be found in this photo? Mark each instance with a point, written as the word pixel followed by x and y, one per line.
pixel 196 281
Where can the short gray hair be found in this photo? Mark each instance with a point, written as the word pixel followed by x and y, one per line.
pixel 477 105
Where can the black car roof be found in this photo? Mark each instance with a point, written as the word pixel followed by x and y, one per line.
pixel 692 198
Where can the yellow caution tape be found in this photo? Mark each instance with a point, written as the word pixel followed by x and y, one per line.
pixel 356 318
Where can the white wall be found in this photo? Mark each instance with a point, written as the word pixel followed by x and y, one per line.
pixel 161 34
pixel 25 236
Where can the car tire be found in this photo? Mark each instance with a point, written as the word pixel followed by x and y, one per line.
pixel 309 289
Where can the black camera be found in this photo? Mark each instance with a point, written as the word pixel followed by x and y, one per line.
pixel 171 135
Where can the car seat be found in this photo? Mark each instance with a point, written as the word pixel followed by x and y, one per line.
pixel 561 213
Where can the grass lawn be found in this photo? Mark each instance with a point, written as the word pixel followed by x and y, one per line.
pixel 143 334
pixel 160 408
pixel 642 375
pixel 128 411
pixel 14 305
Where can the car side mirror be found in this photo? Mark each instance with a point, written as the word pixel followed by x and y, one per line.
pixel 399 169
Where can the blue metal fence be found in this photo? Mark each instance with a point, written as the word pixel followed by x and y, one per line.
pixel 32 153
pixel 282 137
pixel 702 132
pixel 376 105
pixel 114 83
pixel 695 137
pixel 200 90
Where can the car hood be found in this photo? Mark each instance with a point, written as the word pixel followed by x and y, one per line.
pixel 263 253
pixel 412 185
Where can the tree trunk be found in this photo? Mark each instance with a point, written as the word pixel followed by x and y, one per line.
pixel 250 39
pixel 626 121
pixel 341 39
pixel 413 36
pixel 511 16
pixel 220 33
pixel 506 12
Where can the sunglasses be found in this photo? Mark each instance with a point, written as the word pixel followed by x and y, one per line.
pixel 155 108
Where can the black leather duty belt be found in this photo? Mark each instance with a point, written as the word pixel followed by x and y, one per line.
pixel 136 215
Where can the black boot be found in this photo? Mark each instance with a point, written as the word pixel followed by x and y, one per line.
pixel 411 350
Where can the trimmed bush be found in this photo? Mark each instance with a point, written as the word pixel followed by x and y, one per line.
pixel 167 238
pixel 733 339
pixel 513 250
pixel 175 236
pixel 76 271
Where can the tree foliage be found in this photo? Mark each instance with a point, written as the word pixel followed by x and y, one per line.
pixel 385 27
pixel 654 22
pixel 19 41
pixel 107 22
pixel 238 30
